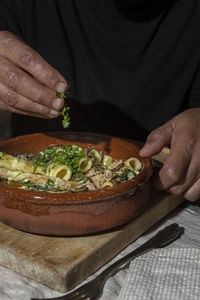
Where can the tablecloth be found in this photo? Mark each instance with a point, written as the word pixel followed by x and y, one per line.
pixel 17 287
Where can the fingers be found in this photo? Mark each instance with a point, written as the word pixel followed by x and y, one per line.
pixel 29 60
pixel 193 193
pixel 13 102
pixel 180 173
pixel 174 169
pixel 22 83
pixel 5 107
pixel 187 184
pixel 157 139
pixel 28 84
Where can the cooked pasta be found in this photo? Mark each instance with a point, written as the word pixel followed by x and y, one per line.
pixel 59 171
pixel 133 164
pixel 66 168
pixel 85 164
pixel 107 160
pixel 14 163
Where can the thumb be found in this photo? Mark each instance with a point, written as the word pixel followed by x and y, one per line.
pixel 157 139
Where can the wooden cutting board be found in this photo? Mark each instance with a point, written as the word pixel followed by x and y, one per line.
pixel 63 262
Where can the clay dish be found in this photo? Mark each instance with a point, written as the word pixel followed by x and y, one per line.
pixel 80 213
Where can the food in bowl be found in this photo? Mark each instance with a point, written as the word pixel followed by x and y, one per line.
pixel 66 168
pixel 75 213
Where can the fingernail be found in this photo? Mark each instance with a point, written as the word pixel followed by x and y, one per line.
pixel 61 87
pixel 54 113
pixel 57 103
pixel 145 149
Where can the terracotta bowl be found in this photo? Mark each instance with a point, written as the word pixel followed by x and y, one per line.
pixel 80 213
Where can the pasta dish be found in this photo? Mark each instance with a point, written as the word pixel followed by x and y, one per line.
pixel 66 168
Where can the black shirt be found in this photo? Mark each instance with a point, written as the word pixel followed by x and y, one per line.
pixel 130 69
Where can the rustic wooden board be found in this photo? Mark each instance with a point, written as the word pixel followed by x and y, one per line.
pixel 63 262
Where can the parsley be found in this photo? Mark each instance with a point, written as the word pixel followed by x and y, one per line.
pixel 29 183
pixel 69 155
pixel 49 185
pixel 66 117
pixel 61 95
pixel 80 177
pixel 64 112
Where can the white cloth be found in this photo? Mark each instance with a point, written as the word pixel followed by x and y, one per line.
pixel 167 274
pixel 17 287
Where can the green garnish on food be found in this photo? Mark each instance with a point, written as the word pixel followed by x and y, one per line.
pixel 66 168
pixel 69 155
pixel 80 177
pixel 64 112
pixel 49 185
pixel 32 186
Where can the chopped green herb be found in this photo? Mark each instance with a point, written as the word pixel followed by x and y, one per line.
pixel 61 95
pixel 66 117
pixel 80 177
pixel 69 155
pixel 29 183
pixel 64 112
pixel 49 185
pixel 32 186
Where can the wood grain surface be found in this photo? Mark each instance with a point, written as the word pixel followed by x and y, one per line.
pixel 63 262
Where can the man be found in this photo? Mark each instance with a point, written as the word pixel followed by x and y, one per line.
pixel 133 67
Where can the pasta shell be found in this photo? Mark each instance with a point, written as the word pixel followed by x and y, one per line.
pixel 96 157
pixel 85 164
pixel 107 160
pixel 133 164
pixel 14 163
pixel 107 184
pixel 59 171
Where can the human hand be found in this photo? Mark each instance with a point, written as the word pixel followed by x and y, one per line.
pixel 180 173
pixel 28 84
